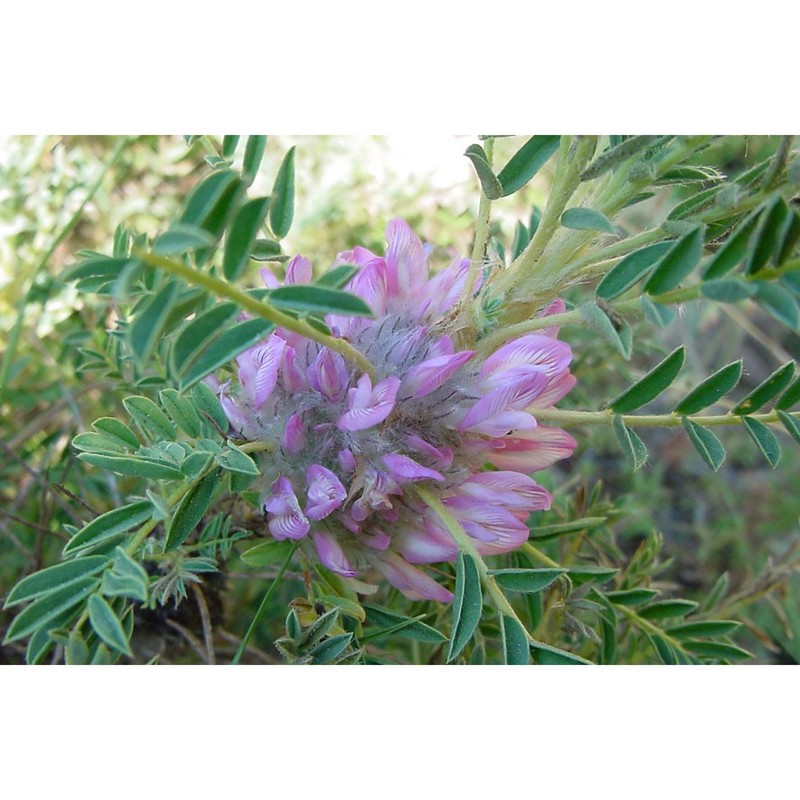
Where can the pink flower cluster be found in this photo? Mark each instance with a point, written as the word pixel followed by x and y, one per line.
pixel 348 449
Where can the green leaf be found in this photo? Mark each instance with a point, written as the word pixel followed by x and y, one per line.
pixel 317 299
pixel 525 163
pixel 766 390
pixel 194 336
pixel 127 578
pixel 234 460
pixel 182 412
pixel 337 277
pixel 330 649
pixel 765 440
pixel 402 626
pixel 616 331
pixel 208 403
pixel 719 651
pixel 711 389
pixel 733 251
pixel 98 267
pixel 689 174
pixel 521 240
pixel 659 314
pixel 546 532
pixel 663 649
pixel 676 263
pixel 515 641
pixel 490 184
pixel 266 250
pixel 631 270
pixel 727 291
pixel 55 577
pixel 706 443
pixel 253 153
pixel 631 597
pixel 109 426
pixel 318 629
pixel 108 525
pixel 591 573
pixel 191 510
pixel 145 330
pixel 133 465
pixel 281 210
pixel 467 605
pixel 790 396
pixel 181 238
pixel 229 146
pixel 633 447
pixel 788 237
pixel 664 609
pixel 149 417
pixel 49 607
pixel 107 625
pixel 695 204
pixel 242 235
pixel 766 238
pixel 525 580
pixel 547 655
pixel 97 443
pixel 586 219
pixel 207 197
pixel 792 424
pixel 779 303
pixel 718 627
pixel 651 385
pixel 616 154
pixel 223 350
pixel 76 652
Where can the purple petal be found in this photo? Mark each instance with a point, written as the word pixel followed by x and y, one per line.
pixel 367 406
pixel 428 543
pixel 294 437
pixel 293 377
pixel 555 390
pixel 287 521
pixel 270 281
pixel 500 411
pixel 510 489
pixel 431 374
pixel 486 522
pixel 328 375
pixel 443 346
pixel 258 370
pixel 528 451
pixel 404 469
pixel 298 271
pixel 375 539
pixel 325 492
pixel 533 350
pixel 441 457
pixel 558 306
pixel 412 582
pixel 346 461
pixel 331 554
pixel 447 286
pixel 405 259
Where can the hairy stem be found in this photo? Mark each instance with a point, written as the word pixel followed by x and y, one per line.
pixel 606 417
pixel 222 288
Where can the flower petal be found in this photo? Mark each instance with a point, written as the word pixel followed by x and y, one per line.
pixel 532 350
pixel 332 555
pixel 528 451
pixel 510 489
pixel 412 582
pixel 367 406
pixel 431 374
pixel 325 492
pixel 298 271
pixel 404 469
pixel 258 370
pixel 405 259
pixel 287 521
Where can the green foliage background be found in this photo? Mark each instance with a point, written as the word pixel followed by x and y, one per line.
pixel 740 522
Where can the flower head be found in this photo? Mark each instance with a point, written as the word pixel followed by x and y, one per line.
pixel 348 449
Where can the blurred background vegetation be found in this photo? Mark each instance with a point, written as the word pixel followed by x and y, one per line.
pixel 740 522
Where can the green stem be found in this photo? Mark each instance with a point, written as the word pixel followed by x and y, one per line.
pixel 466 545
pixel 224 289
pixel 263 607
pixel 13 338
pixel 539 556
pixel 563 417
pixel 481 233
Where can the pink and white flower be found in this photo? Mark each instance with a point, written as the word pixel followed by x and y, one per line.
pixel 350 449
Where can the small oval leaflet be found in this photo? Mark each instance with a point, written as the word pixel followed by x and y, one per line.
pixel 651 385
pixel 711 389
pixel 107 625
pixel 118 520
pixel 586 219
pixel 630 270
pixel 467 605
